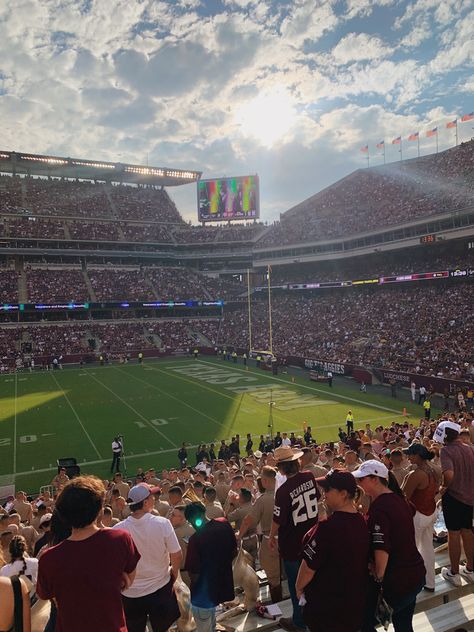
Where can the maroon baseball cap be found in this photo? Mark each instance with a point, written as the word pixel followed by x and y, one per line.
pixel 340 480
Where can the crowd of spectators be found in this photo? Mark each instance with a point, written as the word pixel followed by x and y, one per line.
pixel 66 198
pixel 34 227
pixel 159 233
pixel 8 286
pixel 95 231
pixel 146 204
pixel 179 335
pixel 10 194
pixel 373 266
pixel 120 284
pixel 422 468
pixel 423 329
pixel 379 197
pixel 53 285
pixel 420 327
pixel 212 234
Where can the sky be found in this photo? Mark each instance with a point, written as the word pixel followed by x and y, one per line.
pixel 288 90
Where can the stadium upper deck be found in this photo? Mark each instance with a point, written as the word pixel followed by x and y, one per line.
pixel 366 200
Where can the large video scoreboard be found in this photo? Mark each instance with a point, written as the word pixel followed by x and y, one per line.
pixel 225 199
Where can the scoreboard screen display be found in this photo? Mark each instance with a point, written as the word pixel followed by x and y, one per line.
pixel 224 199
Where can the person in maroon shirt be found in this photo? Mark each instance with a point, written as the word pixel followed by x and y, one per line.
pixel 333 575
pixel 86 573
pixel 398 567
pixel 295 512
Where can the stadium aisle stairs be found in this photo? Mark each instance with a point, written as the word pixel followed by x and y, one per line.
pixel 22 285
pixel 445 610
pixel 88 284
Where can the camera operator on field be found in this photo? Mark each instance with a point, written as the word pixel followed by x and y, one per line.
pixel 117 450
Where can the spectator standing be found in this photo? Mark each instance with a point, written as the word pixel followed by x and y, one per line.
pixel 15 600
pixel 116 454
pixel 261 515
pixel 151 594
pixel 334 578
pixel 295 512
pixel 420 487
pixel 22 507
pixel 330 378
pixel 427 408
pixel 457 464
pixel 413 391
pixel 101 561
pixel 60 479
pixel 209 563
pixel 183 531
pixel 20 564
pixel 349 422
pixel 421 394
pixel 183 455
pixel 397 565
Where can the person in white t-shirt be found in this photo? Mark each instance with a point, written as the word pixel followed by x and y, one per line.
pixel 21 564
pixel 151 595
pixel 285 439
pixel 413 391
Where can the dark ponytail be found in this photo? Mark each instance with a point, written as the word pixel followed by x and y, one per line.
pixel 394 486
pixel 18 550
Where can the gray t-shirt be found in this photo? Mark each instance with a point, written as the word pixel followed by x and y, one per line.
pixel 459 457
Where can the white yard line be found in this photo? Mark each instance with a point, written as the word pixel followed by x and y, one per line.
pixel 134 410
pixel 159 452
pixel 177 399
pixel 75 414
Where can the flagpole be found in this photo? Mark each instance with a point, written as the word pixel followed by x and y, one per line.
pixel 436 141
pixel 401 151
pixel 456 132
pixel 250 315
pixel 368 159
pixel 418 144
pixel 270 309
pixel 384 152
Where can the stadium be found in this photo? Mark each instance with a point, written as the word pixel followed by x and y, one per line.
pixel 119 319
pixel 236 316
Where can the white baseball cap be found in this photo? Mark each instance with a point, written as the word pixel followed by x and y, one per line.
pixel 371 468
pixel 440 432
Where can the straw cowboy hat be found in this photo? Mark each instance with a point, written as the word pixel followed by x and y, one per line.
pixel 286 453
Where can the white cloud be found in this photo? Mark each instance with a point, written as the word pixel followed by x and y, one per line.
pixel 359 46
pixel 166 78
pixel 308 20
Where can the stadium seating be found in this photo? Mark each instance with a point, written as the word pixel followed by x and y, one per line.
pixel 369 199
pixel 59 285
pixel 422 329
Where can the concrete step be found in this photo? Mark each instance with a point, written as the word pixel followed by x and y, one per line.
pixel 444 593
pixel 455 615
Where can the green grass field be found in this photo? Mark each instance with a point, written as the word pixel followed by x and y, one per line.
pixel 156 406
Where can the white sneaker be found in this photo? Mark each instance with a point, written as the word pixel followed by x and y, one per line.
pixel 454 579
pixel 468 575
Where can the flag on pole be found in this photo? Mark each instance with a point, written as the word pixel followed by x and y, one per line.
pixel 365 149
pixel 397 141
pixel 414 136
pixel 467 117
pixel 380 145
pixel 452 124
pixel 432 132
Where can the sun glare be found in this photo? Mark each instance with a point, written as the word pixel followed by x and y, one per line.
pixel 267 118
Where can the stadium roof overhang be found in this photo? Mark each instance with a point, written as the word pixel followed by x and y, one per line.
pixel 25 163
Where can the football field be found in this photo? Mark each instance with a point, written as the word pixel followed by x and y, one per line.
pixel 157 406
